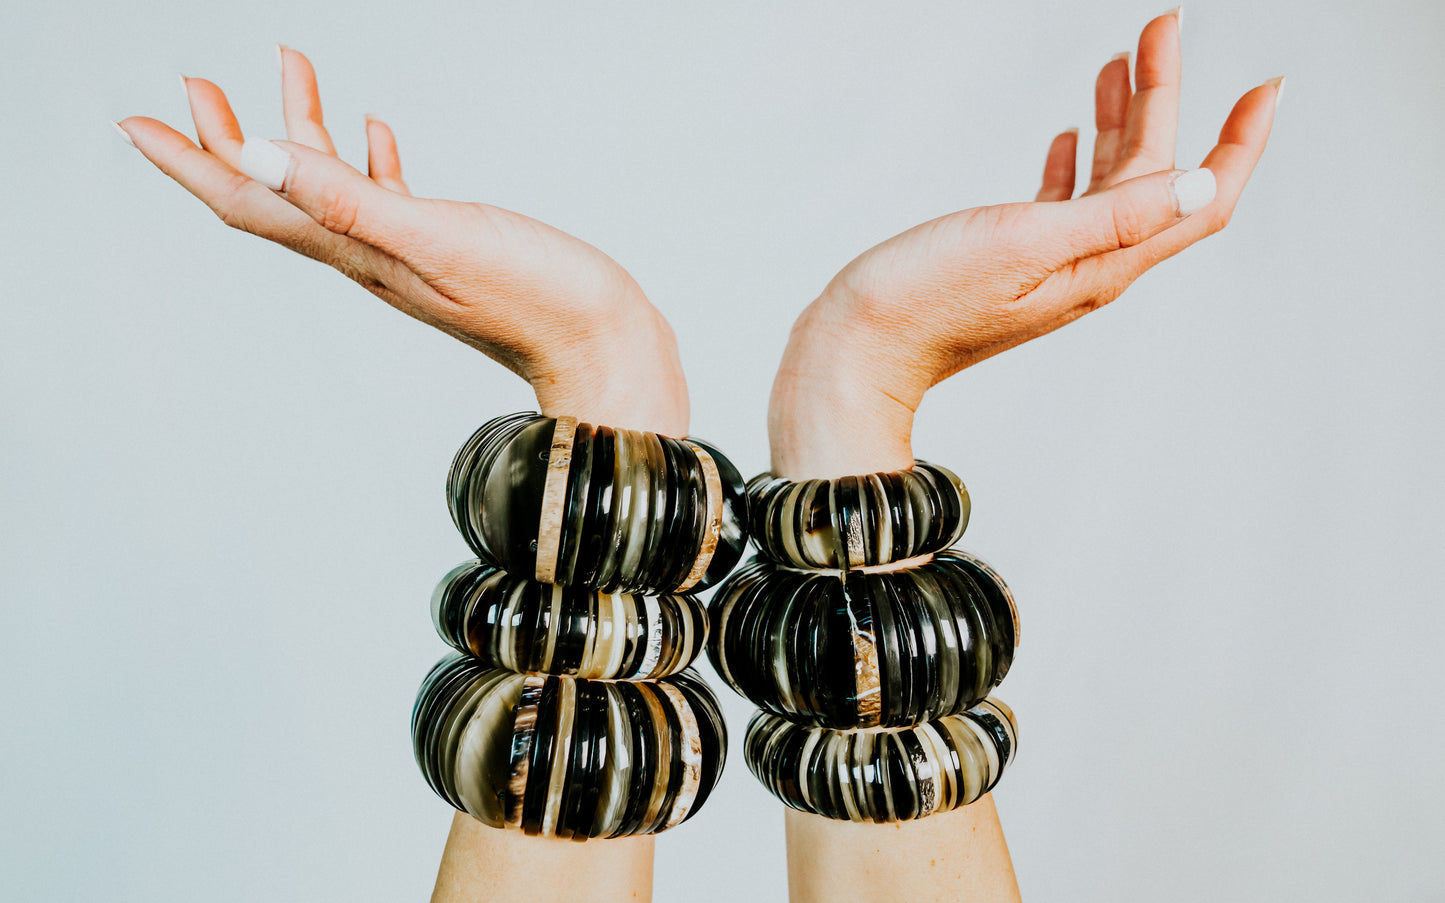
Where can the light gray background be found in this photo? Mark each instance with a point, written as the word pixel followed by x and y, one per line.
pixel 1218 500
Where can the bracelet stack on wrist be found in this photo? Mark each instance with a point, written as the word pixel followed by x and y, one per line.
pixel 870 646
pixel 566 709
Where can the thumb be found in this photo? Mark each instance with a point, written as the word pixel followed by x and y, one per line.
pixel 1125 215
pixel 338 197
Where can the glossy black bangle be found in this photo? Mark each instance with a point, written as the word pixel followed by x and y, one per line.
pixel 564 757
pixel 857 521
pixel 569 503
pixel 883 776
pixel 873 650
pixel 516 623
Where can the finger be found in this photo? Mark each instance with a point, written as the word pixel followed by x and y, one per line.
pixel 343 200
pixel 301 101
pixel 216 125
pixel 237 200
pixel 1124 216
pixel 1241 142
pixel 1147 143
pixel 383 163
pixel 1111 114
pixel 1059 167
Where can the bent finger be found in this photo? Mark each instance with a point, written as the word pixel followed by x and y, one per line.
pixel 216 124
pixel 301 101
pixel 1147 142
pixel 1058 182
pixel 383 163
pixel 1111 115
pixel 1241 143
pixel 1124 216
pixel 343 200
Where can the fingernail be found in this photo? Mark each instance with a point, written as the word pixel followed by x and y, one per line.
pixel 186 87
pixel 1178 14
pixel 1278 89
pixel 281 58
pixel 265 162
pixel 372 117
pixel 1121 55
pixel 1193 190
pixel 124 135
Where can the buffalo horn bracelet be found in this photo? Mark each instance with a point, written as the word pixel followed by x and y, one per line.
pixel 566 709
pixel 870 645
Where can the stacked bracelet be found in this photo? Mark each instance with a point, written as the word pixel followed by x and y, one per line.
pixel 855 522
pixel 870 646
pixel 566 709
pixel 612 509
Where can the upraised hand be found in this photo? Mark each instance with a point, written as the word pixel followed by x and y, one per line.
pixel 550 307
pixel 951 292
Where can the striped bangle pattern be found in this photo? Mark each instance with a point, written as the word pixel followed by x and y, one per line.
pixel 581 505
pixel 857 521
pixel 883 776
pixel 566 757
pixel 877 650
pixel 521 625
pixel 567 709
pixel 870 645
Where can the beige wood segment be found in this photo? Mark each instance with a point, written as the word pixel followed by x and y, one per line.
pixel 554 499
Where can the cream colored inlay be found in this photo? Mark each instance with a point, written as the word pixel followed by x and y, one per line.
pixel 554 498
pixel 713 529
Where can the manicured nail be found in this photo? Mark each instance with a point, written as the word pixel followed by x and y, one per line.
pixel 1193 190
pixel 186 87
pixel 1278 89
pixel 1178 14
pixel 281 58
pixel 372 117
pixel 1122 55
pixel 124 135
pixel 265 162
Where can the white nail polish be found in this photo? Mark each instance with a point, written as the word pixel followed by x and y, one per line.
pixel 265 162
pixel 1278 89
pixel 1193 190
pixel 281 58
pixel 186 87
pixel 1178 12
pixel 124 135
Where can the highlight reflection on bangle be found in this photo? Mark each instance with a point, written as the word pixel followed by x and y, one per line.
pixel 875 649
pixel 519 624
pixel 582 505
pixel 565 757
pixel 883 776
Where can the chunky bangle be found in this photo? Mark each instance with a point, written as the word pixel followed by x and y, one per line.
pixel 566 710
pixel 870 646
pixel 565 757
pixel 519 624
pixel 877 649
pixel 857 521
pixel 883 776
pixel 578 505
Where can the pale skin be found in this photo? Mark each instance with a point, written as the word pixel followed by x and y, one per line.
pixel 897 320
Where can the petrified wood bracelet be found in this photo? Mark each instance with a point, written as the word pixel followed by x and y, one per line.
pixel 857 521
pixel 522 625
pixel 566 757
pixel 875 650
pixel 883 776
pixel 566 710
pixel 614 509
pixel 870 646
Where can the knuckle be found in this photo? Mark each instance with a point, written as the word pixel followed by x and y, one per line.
pixel 1131 223
pixel 337 210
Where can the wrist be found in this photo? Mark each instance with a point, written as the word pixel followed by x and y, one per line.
pixel 621 371
pixel 838 406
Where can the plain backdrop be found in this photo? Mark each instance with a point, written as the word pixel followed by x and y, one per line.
pixel 1218 500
